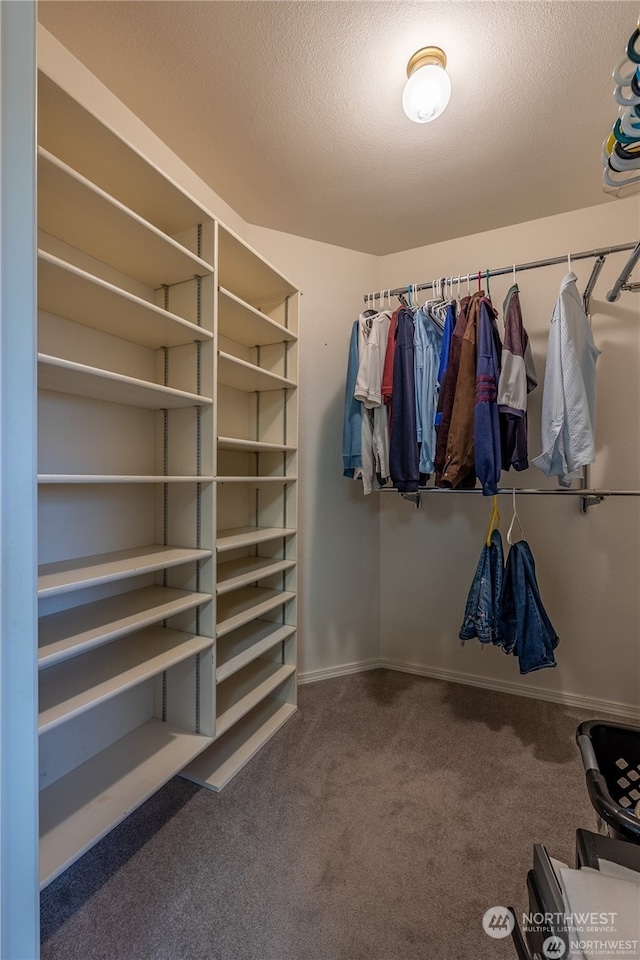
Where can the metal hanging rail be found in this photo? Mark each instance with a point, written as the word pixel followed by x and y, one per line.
pixel 589 497
pixel 614 293
pixel 519 268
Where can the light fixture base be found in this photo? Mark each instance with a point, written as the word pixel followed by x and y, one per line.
pixel 425 56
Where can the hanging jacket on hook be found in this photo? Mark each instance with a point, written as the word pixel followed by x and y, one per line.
pixel 483 601
pixel 459 463
pixel 403 447
pixel 524 627
pixel 517 379
pixel 487 441
pixel 352 421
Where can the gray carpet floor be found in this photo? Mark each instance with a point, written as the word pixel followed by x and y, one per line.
pixel 380 823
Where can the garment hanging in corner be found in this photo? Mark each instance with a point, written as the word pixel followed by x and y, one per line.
pixel 569 398
pixel 352 420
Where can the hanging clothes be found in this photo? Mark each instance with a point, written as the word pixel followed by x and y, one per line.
pixel 368 390
pixel 427 346
pixel 524 627
pixel 387 370
pixel 443 364
pixel 352 420
pixel 569 397
pixel 459 464
pixel 482 609
pixel 517 379
pixel 486 431
pixel 448 390
pixel 403 448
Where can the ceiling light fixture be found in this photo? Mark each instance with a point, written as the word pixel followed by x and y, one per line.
pixel 427 91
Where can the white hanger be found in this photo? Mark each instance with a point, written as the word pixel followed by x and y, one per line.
pixel 625 101
pixel 617 184
pixel 621 79
pixel 569 262
pixel 515 282
pixel 515 518
pixel 629 122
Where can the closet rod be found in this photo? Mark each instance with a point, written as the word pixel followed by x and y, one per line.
pixel 614 293
pixel 519 267
pixel 588 497
pixel 578 492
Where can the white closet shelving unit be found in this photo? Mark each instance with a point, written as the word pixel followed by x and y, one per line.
pixel 155 539
pixel 256 429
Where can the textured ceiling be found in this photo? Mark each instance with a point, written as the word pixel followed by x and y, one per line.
pixel 291 110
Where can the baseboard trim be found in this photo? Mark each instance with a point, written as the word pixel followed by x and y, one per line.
pixel 588 704
pixel 504 686
pixel 311 676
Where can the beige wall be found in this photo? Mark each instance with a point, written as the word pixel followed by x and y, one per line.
pixel 338 574
pixel 588 566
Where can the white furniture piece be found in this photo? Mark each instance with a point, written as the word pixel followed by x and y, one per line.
pixel 167 433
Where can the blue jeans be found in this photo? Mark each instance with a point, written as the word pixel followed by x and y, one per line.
pixel 524 627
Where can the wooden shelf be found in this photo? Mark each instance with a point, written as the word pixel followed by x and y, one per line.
pixel 80 380
pixel 66 575
pixel 243 323
pixel 215 767
pixel 246 604
pixel 68 633
pixel 239 573
pixel 248 275
pixel 242 691
pixel 61 478
pixel 237 537
pixel 253 446
pixel 248 643
pixel 81 807
pixel 245 376
pixel 70 688
pixel 98 152
pixel 70 292
pixel 70 207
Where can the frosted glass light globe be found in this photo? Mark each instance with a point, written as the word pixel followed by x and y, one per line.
pixel 426 93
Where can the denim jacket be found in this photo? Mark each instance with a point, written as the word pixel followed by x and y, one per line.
pixel 483 602
pixel 524 628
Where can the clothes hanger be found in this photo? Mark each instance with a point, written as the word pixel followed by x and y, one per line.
pixel 621 137
pixel 629 121
pixel 632 53
pixel 488 286
pixel 626 101
pixel 617 185
pixel 494 522
pixel 515 518
pixel 621 79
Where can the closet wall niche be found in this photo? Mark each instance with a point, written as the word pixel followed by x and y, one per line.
pixel 167 436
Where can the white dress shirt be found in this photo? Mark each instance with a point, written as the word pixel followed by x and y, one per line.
pixel 569 397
